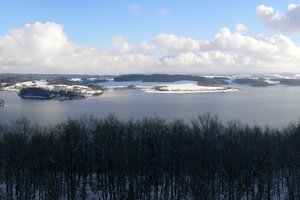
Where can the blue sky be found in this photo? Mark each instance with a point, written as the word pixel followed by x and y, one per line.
pixel 169 36
pixel 95 22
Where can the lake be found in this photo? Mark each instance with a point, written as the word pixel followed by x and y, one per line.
pixel 276 106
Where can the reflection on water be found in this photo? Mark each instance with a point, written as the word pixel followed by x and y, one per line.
pixel 276 106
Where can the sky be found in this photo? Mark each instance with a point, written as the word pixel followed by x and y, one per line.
pixel 169 36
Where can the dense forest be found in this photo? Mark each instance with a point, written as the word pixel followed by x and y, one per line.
pixel 151 158
pixel 213 81
pixel 253 82
pixel 41 93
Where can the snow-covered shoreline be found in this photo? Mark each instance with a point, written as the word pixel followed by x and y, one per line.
pixel 178 87
pixel 187 88
pixel 80 89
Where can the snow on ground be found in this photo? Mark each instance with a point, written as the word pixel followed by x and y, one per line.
pixel 178 87
pixel 187 88
pixel 75 79
pixel 280 76
pixel 270 81
pixel 41 84
pixel 237 76
pixel 84 90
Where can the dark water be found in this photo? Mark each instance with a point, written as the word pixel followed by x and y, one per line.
pixel 276 106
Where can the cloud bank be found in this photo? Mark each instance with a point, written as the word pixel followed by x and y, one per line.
pixel 287 22
pixel 45 48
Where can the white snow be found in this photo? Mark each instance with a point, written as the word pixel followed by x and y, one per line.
pixel 293 76
pixel 187 88
pixel 272 82
pixel 75 79
pixel 178 87
pixel 83 90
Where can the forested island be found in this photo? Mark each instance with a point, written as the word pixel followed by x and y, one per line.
pixel 150 158
pixel 41 93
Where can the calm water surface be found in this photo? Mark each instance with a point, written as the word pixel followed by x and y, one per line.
pixel 276 106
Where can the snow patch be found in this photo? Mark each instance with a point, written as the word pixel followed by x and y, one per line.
pixel 75 79
pixel 81 89
pixel 187 88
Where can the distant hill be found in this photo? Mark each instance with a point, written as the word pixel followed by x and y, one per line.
pixel 290 82
pixel 172 78
pixel 252 82
pixel 11 79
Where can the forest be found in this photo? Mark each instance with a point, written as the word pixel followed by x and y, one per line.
pixel 201 80
pixel 149 158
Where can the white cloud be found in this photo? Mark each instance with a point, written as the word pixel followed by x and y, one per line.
pixel 230 51
pixel 171 43
pixel 45 48
pixel 122 45
pixel 135 9
pixel 242 28
pixel 164 12
pixel 287 22
pixel 145 47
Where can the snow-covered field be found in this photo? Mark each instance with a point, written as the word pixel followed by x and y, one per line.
pixel 178 87
pixel 187 88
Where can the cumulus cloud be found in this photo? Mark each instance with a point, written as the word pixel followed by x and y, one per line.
pixel 45 48
pixel 242 28
pixel 230 51
pixel 171 43
pixel 287 22
pixel 122 45
pixel 145 47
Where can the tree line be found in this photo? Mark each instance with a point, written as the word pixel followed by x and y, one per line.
pixel 151 158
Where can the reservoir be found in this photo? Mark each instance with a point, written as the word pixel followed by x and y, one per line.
pixel 275 106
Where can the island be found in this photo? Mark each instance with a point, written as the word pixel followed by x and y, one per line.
pixel 41 93
pixel 187 88
pixel 42 89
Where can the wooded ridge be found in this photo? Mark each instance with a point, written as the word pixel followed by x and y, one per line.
pixel 151 158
